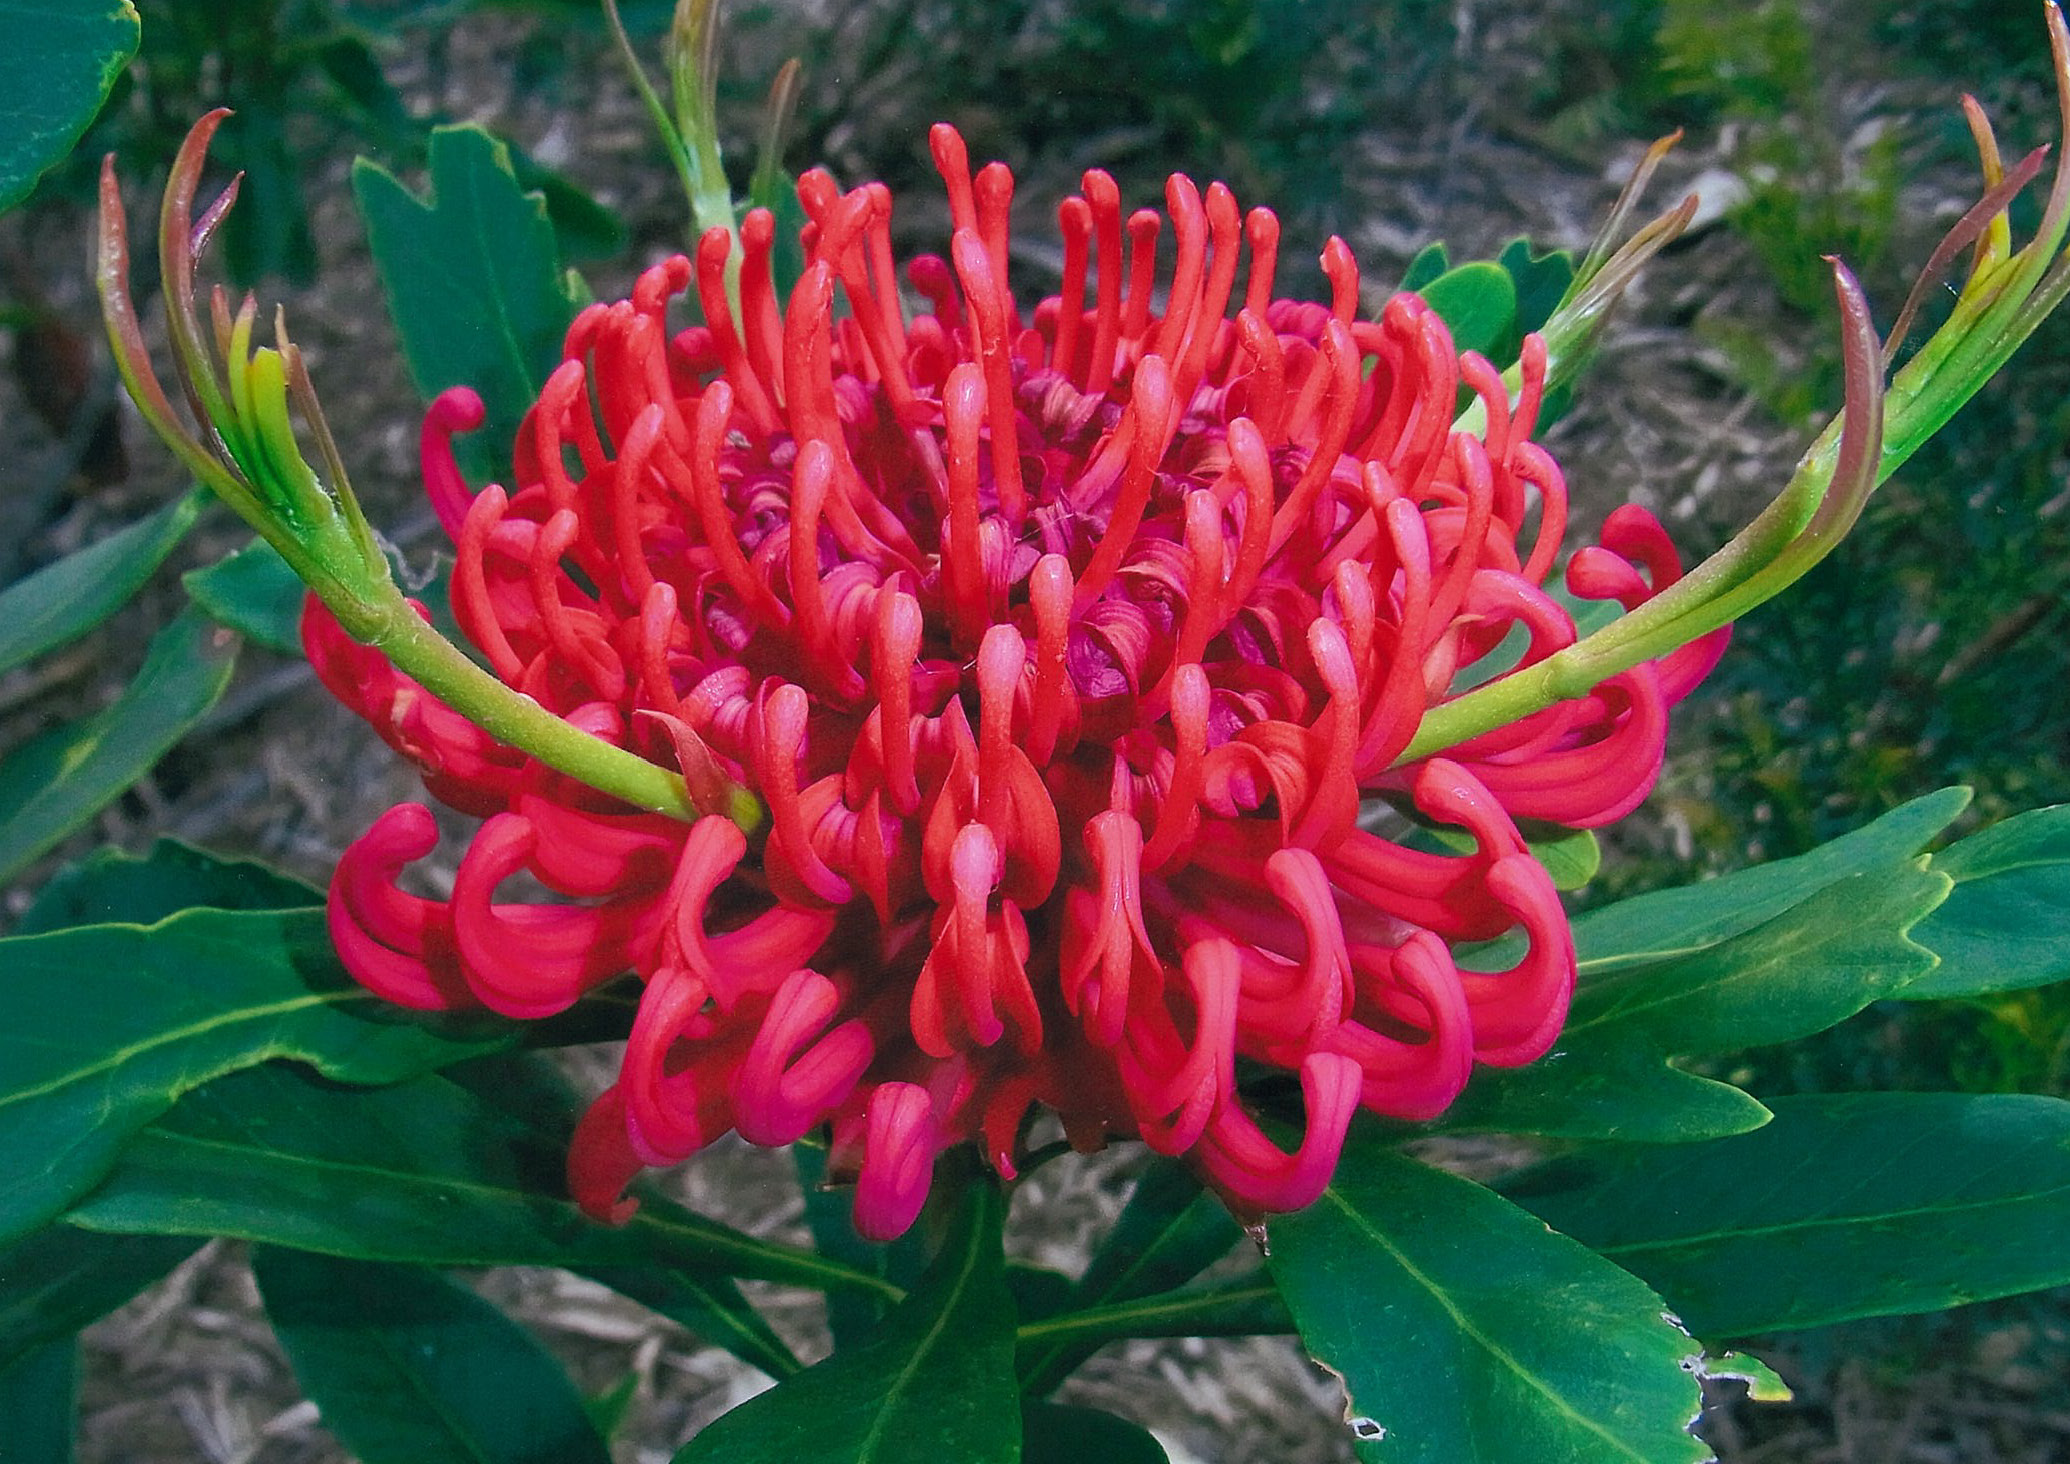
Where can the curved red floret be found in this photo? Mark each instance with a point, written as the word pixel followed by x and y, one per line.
pixel 1064 648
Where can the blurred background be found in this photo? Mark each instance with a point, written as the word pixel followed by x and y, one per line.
pixel 1932 648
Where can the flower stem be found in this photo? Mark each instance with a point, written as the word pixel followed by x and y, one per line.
pixel 515 719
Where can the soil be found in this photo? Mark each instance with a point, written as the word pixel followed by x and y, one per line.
pixel 189 1371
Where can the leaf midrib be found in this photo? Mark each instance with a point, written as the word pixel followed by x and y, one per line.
pixel 1824 1222
pixel 1466 1326
pixel 744 1248
pixel 421 1386
pixel 866 1450
pixel 193 1030
pixel 1791 953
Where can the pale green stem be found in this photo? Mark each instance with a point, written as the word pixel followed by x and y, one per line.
pixel 513 718
pixel 691 139
pixel 657 113
pixel 1797 530
pixel 692 52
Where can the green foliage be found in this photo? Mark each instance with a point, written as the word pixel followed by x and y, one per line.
pixel 60 63
pixel 39 1398
pixel 2006 924
pixel 851 1315
pixel 254 593
pixel 1963 593
pixel 1245 1306
pixel 56 1280
pixel 1949 573
pixel 1953 576
pixel 473 280
pixel 1059 1433
pixel 111 887
pixel 706 1306
pixel 203 993
pixel 64 600
pixel 1668 922
pixel 1169 1232
pixel 1478 302
pixel 410 1367
pixel 1533 1349
pixel 1803 971
pixel 286 68
pixel 934 1381
pixel 54 783
pixel 1862 1205
pixel 423 1172
pixel 1490 306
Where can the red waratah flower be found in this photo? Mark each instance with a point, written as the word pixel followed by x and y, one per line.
pixel 1062 647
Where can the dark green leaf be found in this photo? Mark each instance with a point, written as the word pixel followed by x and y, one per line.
pixel 254 593
pixel 473 281
pixel 778 192
pixel 531 1090
pixel 269 232
pixel 1843 1206
pixel 1816 964
pixel 1037 1290
pixel 1464 1329
pixel 610 1410
pixel 409 1367
pixel 355 70
pixel 58 1279
pixel 934 1382
pixel 2006 924
pixel 1822 960
pixel 851 1315
pixel 39 1405
pixel 109 1024
pixel 1430 262
pixel 582 227
pixel 1058 1433
pixel 62 601
pixel 1626 1094
pixel 1246 1306
pixel 710 1307
pixel 110 887
pixel 1570 856
pixel 1478 302
pixel 1673 922
pixel 60 60
pixel 55 782
pixel 1541 281
pixel 422 1172
pixel 1169 1232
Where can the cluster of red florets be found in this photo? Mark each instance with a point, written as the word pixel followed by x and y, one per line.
pixel 1063 650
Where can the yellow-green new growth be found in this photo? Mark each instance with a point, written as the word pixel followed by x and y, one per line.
pixel 1879 427
pixel 246 451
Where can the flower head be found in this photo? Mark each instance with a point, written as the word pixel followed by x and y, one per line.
pixel 1064 646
